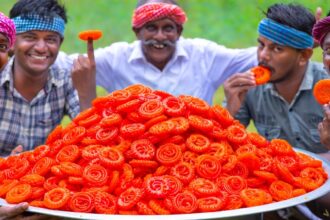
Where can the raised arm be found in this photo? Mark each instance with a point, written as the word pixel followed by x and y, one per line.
pixel 236 88
pixel 83 77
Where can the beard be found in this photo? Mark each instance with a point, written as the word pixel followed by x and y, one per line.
pixel 285 77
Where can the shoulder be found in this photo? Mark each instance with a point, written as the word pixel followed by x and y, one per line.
pixel 208 45
pixel 115 51
pixel 118 46
pixel 198 43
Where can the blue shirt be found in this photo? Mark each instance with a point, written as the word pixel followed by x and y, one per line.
pixel 28 123
pixel 198 67
pixel 295 122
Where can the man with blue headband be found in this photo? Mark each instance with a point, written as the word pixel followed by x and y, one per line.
pixel 35 94
pixel 285 107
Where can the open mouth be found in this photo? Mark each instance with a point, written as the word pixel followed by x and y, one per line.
pixel 159 46
pixel 38 57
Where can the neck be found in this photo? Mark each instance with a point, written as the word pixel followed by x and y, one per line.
pixel 289 87
pixel 27 84
pixel 160 66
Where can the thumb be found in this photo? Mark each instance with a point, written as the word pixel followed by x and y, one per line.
pixel 318 13
pixel 15 210
pixel 17 150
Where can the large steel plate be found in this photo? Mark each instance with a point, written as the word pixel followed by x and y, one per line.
pixel 325 188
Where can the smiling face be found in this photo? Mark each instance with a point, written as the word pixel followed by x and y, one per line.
pixel 326 52
pixel 4 47
pixel 158 41
pixel 36 51
pixel 283 61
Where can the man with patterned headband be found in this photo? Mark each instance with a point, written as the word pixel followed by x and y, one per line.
pixel 285 107
pixel 35 94
pixel 162 59
pixel 321 33
pixel 7 38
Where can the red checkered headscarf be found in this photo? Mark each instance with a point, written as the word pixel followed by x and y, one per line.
pixel 321 29
pixel 155 11
pixel 7 27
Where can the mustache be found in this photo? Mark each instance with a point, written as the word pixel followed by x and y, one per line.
pixel 266 65
pixel 152 42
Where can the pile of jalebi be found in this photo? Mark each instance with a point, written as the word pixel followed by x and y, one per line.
pixel 143 151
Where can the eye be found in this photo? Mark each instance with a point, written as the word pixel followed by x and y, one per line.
pixel 4 47
pixel 260 45
pixel 277 48
pixel 52 40
pixel 168 28
pixel 151 28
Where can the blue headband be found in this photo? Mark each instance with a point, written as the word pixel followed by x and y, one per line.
pixel 284 35
pixel 36 22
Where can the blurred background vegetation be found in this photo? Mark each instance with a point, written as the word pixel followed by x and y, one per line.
pixel 232 23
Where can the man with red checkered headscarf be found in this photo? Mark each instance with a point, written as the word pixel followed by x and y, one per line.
pixel 162 59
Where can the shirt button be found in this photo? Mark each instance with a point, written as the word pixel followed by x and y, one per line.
pixel 298 138
pixel 290 110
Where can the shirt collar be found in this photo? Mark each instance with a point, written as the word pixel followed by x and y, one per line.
pixel 137 53
pixel 307 83
pixel 6 76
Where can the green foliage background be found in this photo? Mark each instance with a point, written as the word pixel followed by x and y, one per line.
pixel 232 23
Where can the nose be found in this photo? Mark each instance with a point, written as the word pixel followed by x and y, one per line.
pixel 264 54
pixel 160 35
pixel 40 46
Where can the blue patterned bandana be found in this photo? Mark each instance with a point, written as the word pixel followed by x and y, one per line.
pixel 38 23
pixel 284 35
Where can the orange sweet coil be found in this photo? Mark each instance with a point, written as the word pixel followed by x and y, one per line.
pixel 262 74
pixel 321 91
pixel 147 152
pixel 90 34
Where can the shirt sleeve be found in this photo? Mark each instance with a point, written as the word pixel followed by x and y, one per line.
pixel 224 62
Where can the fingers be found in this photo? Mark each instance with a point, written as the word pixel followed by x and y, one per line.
pixel 318 13
pixel 83 63
pixel 17 150
pixel 90 51
pixel 39 217
pixel 13 211
pixel 241 79
pixel 326 110
pixel 320 127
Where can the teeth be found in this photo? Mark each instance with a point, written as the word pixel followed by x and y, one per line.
pixel 39 57
pixel 159 46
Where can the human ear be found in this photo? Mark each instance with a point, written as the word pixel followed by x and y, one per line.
pixel 306 54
